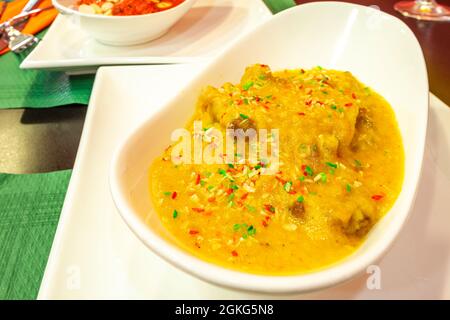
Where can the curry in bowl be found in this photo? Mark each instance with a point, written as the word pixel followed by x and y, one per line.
pixel 339 169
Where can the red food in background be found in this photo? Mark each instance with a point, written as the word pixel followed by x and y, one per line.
pixel 133 7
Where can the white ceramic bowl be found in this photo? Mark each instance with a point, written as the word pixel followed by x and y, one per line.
pixel 377 48
pixel 124 30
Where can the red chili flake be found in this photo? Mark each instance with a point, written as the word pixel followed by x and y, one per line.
pixel 377 197
pixel 229 191
pixel 300 86
pixel 303 167
pixel 197 181
pixel 308 91
pixel 211 199
pixel 292 192
pixel 234 253
pixel 193 232
pixel 264 223
pixel 265 106
pixel 174 195
pixel 257 99
pixel 239 102
pixel 198 209
pixel 244 196
pixel 348 104
pixel 281 180
pixel 353 95
pixel 267 218
pixel 269 208
pixel 301 113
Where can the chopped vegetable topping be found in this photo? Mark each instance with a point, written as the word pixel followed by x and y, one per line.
pixel 300 199
pixel 309 171
pixel 331 164
pixel 348 187
pixel 248 85
pixel 288 186
pixel 377 197
pixel 243 116
pixel 175 214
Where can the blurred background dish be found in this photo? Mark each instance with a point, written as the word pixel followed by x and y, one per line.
pixel 123 30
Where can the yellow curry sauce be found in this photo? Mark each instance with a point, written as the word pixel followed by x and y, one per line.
pixel 340 169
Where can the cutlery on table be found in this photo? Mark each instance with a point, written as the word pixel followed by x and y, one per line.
pixel 12 36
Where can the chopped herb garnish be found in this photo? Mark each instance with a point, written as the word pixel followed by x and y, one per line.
pixel 300 199
pixel 210 188
pixel 288 186
pixel 348 187
pixel 323 177
pixel 258 166
pixel 333 106
pixel 358 163
pixel 167 193
pixel 250 208
pixel 309 171
pixel 234 187
pixel 251 231
pixel 245 100
pixel 248 85
pixel 302 178
pixel 236 226
pixel 202 183
pixel 243 116
pixel 331 164
pixel 262 77
pixel 222 172
pixel 231 197
pixel 341 110
pixel 269 97
pixel 324 92
pixel 230 165
pixel 175 214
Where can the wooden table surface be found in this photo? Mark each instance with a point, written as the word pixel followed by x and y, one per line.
pixel 434 38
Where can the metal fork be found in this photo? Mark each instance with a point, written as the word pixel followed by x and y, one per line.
pixel 19 41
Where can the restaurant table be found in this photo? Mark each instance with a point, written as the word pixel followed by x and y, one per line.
pixel 46 140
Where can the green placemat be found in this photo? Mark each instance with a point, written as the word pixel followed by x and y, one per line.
pixel 39 89
pixel 30 205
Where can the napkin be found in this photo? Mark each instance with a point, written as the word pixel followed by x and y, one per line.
pixel 36 23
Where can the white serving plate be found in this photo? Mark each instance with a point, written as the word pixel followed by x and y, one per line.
pixel 377 48
pixel 205 31
pixel 94 254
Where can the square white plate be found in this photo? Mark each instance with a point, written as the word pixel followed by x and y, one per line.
pixel 205 31
pixel 95 255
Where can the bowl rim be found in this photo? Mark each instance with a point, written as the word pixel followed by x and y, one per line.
pixel 71 11
pixel 328 276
